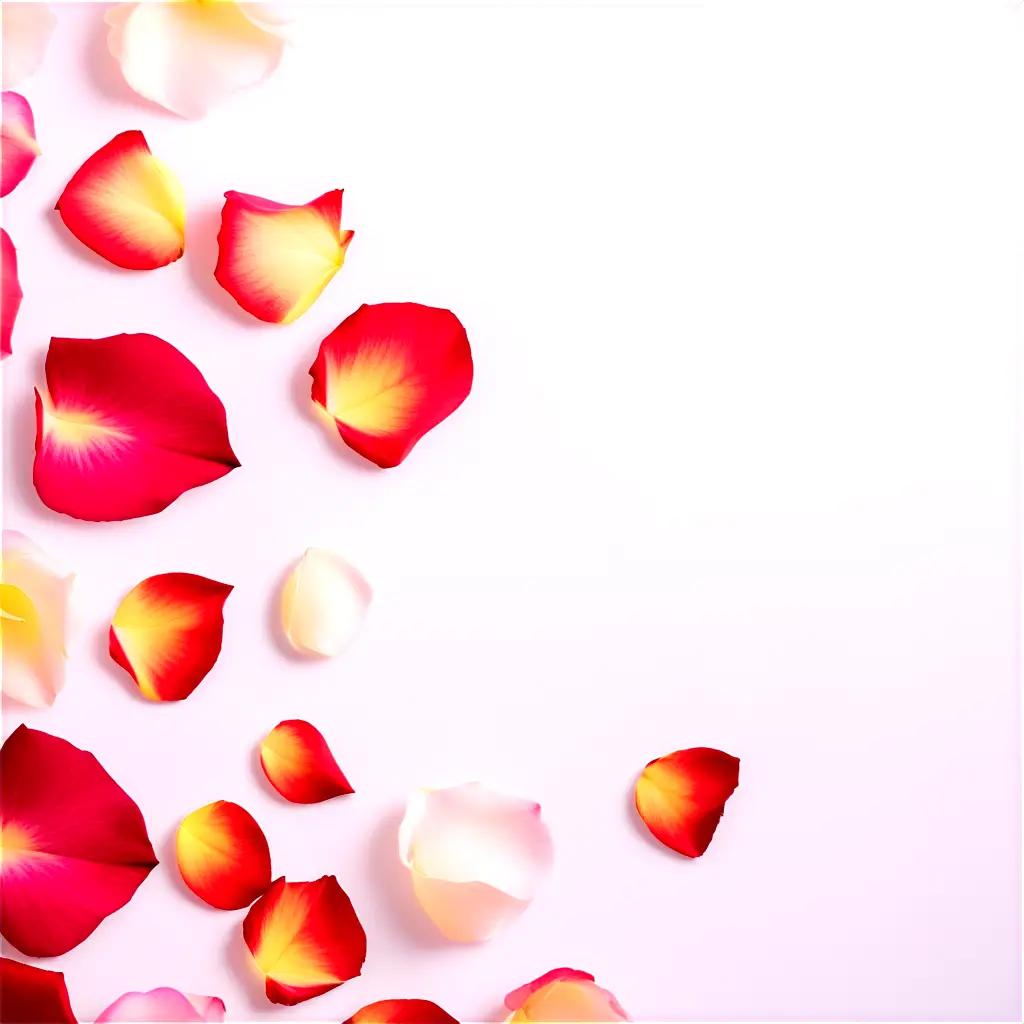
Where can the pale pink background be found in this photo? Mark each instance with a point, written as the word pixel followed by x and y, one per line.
pixel 743 283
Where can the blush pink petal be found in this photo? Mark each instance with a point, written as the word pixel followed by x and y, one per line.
pixel 190 55
pixel 477 857
pixel 27 31
pixel 163 1005
pixel 563 996
pixel 18 146
pixel 10 292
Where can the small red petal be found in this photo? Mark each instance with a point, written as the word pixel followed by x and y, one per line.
pixel 18 147
pixel 299 764
pixel 681 796
pixel 127 426
pixel 10 292
pixel 167 633
pixel 305 938
pixel 223 855
pixel 126 205
pixel 274 260
pixel 402 1011
pixel 30 995
pixel 75 847
pixel 389 373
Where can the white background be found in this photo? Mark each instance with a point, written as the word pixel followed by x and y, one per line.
pixel 742 281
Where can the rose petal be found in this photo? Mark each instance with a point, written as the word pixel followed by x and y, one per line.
pixel 126 205
pixel 188 57
pixel 305 938
pixel 402 1011
pixel 299 764
pixel 10 292
pixel 323 603
pixel 18 146
pixel 681 796
pixel 30 995
pixel 128 425
pixel 563 995
pixel 26 34
pixel 477 857
pixel 275 260
pixel 167 632
pixel 389 373
pixel 33 621
pixel 163 1004
pixel 223 855
pixel 75 847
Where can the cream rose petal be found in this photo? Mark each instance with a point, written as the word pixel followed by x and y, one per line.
pixel 189 55
pixel 26 33
pixel 33 619
pixel 476 857
pixel 323 603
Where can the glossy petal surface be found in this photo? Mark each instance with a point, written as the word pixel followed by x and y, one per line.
pixel 681 796
pixel 275 260
pixel 126 205
pixel 75 847
pixel 305 938
pixel 10 292
pixel 126 426
pixel 563 995
pixel 167 633
pixel 389 373
pixel 163 1005
pixel 299 764
pixel 476 856
pixel 31 995
pixel 18 146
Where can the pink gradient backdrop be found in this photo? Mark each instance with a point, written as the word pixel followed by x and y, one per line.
pixel 743 284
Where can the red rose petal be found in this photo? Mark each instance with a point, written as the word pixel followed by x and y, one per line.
pixel 389 373
pixel 681 796
pixel 299 764
pixel 127 426
pixel 126 205
pixel 223 855
pixel 167 633
pixel 402 1011
pixel 31 995
pixel 305 938
pixel 274 260
pixel 18 146
pixel 10 292
pixel 75 847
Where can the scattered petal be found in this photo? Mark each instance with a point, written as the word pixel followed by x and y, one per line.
pixel 18 146
pixel 476 857
pixel 299 764
pixel 10 292
pixel 75 847
pixel 323 603
pixel 126 205
pixel 275 260
pixel 189 56
pixel 389 373
pixel 127 426
pixel 223 855
pixel 26 34
pixel 402 1011
pixel 305 938
pixel 167 633
pixel 31 995
pixel 681 796
pixel 33 620
pixel 563 995
pixel 163 1004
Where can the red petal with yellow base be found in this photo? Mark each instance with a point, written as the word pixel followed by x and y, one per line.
pixel 389 373
pixel 299 764
pixel 127 425
pixel 274 260
pixel 563 995
pixel 167 633
pixel 402 1011
pixel 126 205
pixel 681 796
pixel 305 939
pixel 75 846
pixel 223 855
